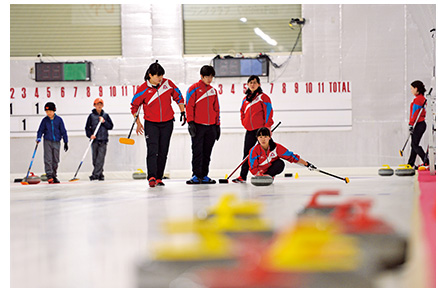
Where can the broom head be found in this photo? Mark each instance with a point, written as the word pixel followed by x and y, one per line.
pixel 127 141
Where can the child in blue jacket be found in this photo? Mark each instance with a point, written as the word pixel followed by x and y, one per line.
pixel 53 129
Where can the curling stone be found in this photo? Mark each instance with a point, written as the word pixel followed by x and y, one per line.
pixel 43 177
pixel 139 174
pixel 405 170
pixel 386 171
pixel 263 180
pixel 33 179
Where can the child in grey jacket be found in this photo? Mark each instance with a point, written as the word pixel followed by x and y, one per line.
pixel 99 145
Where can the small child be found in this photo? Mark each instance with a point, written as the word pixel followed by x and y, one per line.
pixel 53 129
pixel 265 157
pixel 98 148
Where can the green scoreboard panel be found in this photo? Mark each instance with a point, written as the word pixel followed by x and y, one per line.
pixel 62 71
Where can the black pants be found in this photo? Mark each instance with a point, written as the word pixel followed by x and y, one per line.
pixel 157 136
pixel 98 151
pixel 202 146
pixel 250 141
pixel 276 168
pixel 416 149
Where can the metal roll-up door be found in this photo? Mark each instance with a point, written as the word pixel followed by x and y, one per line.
pixel 219 29
pixel 65 30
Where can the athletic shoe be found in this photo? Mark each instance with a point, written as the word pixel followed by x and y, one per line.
pixel 92 178
pixel 50 180
pixel 193 180
pixel 208 180
pixel 152 182
pixel 239 180
pixel 55 180
pixel 424 165
pixel 160 182
pixel 101 178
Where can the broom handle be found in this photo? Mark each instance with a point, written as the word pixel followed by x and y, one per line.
pixel 31 162
pixel 135 120
pixel 88 148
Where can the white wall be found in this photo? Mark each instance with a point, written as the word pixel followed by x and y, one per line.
pixel 380 49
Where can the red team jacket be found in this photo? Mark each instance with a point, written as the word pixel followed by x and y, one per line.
pixel 157 102
pixel 256 114
pixel 260 161
pixel 202 104
pixel 416 105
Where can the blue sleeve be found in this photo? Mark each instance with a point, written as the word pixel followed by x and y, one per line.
pixel 63 131
pixel 41 129
pixel 190 93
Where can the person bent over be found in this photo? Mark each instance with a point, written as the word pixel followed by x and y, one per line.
pixel 265 158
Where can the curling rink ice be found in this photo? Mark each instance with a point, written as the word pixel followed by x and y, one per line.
pixel 96 234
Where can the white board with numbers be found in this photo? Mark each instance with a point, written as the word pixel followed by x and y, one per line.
pixel 300 106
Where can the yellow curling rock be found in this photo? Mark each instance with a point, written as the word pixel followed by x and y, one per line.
pixel 208 245
pixel 230 204
pixel 405 170
pixel 229 216
pixel 314 244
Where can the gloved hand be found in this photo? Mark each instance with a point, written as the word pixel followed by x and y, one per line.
pixel 183 118
pixel 218 132
pixel 38 140
pixel 411 129
pixel 65 147
pixel 192 129
pixel 310 166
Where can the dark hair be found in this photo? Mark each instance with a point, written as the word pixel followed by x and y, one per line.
pixel 251 95
pixel 207 70
pixel 253 77
pixel 263 131
pixel 154 69
pixel 419 86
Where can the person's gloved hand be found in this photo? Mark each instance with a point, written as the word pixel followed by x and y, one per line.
pixel 65 147
pixel 218 132
pixel 38 140
pixel 411 129
pixel 183 118
pixel 310 166
pixel 192 129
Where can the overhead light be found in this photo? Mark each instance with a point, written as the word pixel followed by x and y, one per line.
pixel 243 19
pixel 265 37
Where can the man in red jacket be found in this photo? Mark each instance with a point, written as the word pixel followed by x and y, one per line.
pixel 202 106
pixel 156 95
pixel 265 157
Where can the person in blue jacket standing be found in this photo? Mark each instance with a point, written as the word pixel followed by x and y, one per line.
pixel 53 130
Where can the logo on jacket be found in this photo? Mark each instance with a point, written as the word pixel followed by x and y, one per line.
pixel 165 87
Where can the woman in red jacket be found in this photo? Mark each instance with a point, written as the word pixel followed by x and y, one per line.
pixel 265 157
pixel 156 95
pixel 203 117
pixel 419 102
pixel 255 112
